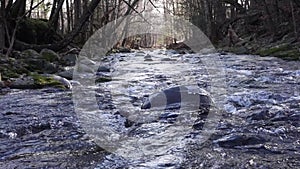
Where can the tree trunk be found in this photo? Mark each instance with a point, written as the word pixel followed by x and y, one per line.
pixel 53 9
pixel 207 18
pixel 68 16
pixel 294 19
pixel 31 5
pixel 62 25
pixel 271 24
pixel 2 25
pixel 54 20
pixel 77 11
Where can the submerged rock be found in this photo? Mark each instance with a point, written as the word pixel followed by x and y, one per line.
pixel 176 97
pixel 168 59
pixel 235 139
pixel 103 69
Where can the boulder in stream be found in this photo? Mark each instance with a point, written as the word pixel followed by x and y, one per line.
pixel 239 140
pixel 68 74
pixel 190 96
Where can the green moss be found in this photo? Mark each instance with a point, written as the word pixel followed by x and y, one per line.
pixel 284 51
pixel 292 54
pixel 33 31
pixel 43 81
pixel 10 74
pixel 49 55
pixel 273 50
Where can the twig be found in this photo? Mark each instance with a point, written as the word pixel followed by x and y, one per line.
pixel 154 5
pixel 136 11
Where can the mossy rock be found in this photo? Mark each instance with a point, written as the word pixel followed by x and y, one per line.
pixel 7 74
pixel 49 55
pixel 44 81
pixel 34 31
pixel 284 51
pixel 272 50
pixel 292 54
pixel 30 53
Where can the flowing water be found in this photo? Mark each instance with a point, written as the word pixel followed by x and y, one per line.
pixel 258 124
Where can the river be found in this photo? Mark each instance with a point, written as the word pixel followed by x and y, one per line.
pixel 258 124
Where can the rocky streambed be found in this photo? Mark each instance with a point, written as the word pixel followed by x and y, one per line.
pixel 257 125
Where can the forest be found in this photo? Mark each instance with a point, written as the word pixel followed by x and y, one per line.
pixel 33 24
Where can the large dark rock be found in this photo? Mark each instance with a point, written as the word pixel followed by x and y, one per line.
pixel 177 97
pixel 43 62
pixel 69 59
pixel 23 83
pixel 41 65
pixel 34 31
pixel 68 74
pixel 30 54
pixel 239 140
pixel 2 85
pixel 178 46
pixel 124 50
pixel 49 55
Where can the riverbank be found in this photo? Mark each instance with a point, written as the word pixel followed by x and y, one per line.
pixel 32 70
pixel 250 35
pixel 287 48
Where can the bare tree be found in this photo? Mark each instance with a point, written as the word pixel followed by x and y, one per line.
pixel 2 25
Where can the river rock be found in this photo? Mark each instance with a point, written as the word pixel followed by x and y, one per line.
pixel 69 59
pixel 30 53
pixel 49 55
pixel 147 57
pixel 171 52
pixel 124 50
pixel 36 63
pixel 63 81
pixel 50 68
pixel 23 83
pixel 39 81
pixel 68 74
pixel 140 52
pixel 148 60
pixel 235 139
pixel 168 59
pixel 103 69
pixel 176 97
pixel 2 85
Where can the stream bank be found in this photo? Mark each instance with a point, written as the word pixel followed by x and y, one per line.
pixel 253 35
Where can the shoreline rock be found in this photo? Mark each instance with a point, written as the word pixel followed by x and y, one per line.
pixel 38 81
